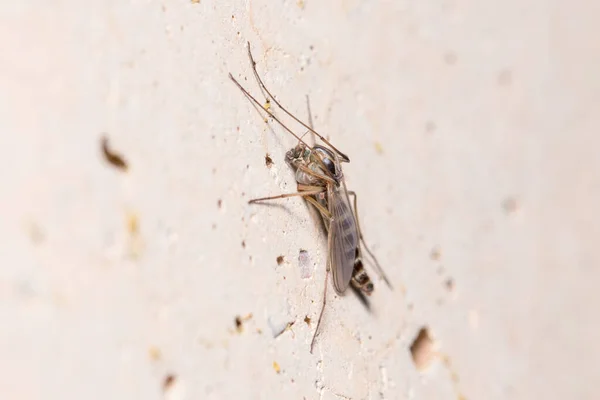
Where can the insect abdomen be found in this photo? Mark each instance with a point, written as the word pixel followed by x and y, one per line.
pixel 360 278
pixel 348 232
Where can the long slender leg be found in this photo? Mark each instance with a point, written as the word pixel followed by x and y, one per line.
pixel 285 195
pixel 316 174
pixel 312 342
pixel 310 120
pixel 362 239
pixel 326 216
pixel 302 187
pixel 324 212
pixel 328 268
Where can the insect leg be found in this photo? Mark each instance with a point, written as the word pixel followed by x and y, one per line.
pixel 329 244
pixel 360 235
pixel 310 120
pixel 324 212
pixel 309 171
pixel 285 195
pixel 312 342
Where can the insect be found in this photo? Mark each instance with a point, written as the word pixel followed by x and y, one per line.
pixel 320 181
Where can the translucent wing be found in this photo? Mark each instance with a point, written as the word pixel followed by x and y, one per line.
pixel 344 241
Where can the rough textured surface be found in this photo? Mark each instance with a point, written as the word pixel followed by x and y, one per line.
pixel 473 133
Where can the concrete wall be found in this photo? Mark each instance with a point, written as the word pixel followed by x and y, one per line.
pixel 473 133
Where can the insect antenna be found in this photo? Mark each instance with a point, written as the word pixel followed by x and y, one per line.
pixel 256 102
pixel 262 85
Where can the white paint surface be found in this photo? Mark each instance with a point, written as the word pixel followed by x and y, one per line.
pixel 472 128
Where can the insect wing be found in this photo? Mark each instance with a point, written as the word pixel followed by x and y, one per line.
pixel 344 240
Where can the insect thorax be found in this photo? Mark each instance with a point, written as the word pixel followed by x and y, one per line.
pixel 329 160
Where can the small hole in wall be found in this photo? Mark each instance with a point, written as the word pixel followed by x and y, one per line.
pixel 422 349
pixel 239 322
pixel 268 160
pixel 449 284
pixel 435 254
pixel 430 127
pixel 510 205
pixel 113 158
pixel 168 382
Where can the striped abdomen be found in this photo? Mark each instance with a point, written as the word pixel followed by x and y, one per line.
pixel 360 278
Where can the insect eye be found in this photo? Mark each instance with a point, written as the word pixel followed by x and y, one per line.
pixel 330 165
pixel 328 159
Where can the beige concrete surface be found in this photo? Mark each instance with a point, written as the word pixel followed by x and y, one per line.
pixel 473 132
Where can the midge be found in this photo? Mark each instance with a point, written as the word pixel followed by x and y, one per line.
pixel 321 182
